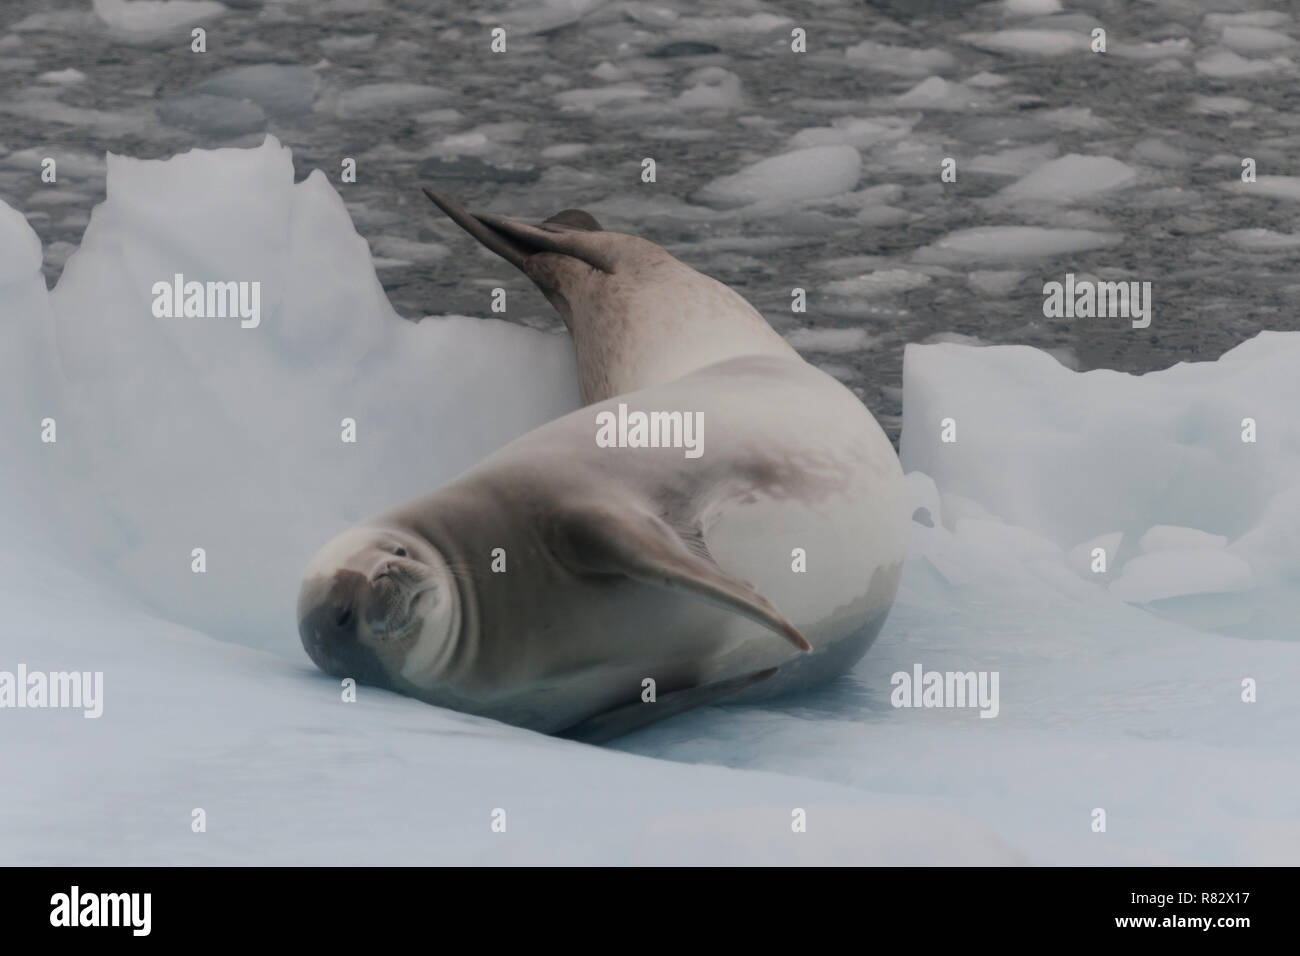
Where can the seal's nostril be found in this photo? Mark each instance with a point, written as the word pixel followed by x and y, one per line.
pixel 400 552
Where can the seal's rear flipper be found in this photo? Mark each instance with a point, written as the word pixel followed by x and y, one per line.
pixel 624 720
pixel 571 232
pixel 603 540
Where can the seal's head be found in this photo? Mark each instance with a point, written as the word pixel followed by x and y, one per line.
pixel 378 603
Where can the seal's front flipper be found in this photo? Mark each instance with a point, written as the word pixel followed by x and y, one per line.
pixel 603 540
pixel 630 717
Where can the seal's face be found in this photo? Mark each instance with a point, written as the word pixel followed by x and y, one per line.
pixel 376 602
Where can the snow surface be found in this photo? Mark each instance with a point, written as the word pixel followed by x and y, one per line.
pixel 176 433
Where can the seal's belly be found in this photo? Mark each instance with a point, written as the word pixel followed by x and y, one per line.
pixel 832 570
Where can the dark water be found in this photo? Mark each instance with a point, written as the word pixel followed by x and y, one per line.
pixel 505 132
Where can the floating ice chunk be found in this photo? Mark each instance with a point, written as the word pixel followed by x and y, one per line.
pixel 408 250
pixel 855 265
pixel 874 195
pixel 214 115
pixel 1255 18
pixel 1268 187
pixel 1166 66
pixel 1220 105
pixel 884 282
pixel 380 98
pixel 900 61
pixel 114 123
pixel 713 27
pixel 609 72
pixel 712 88
pixel 936 93
pixel 593 99
pixel 649 13
pixel 1168 537
pixel 830 340
pixel 349 43
pixel 57 253
pixel 460 143
pixel 844 373
pixel 479 139
pixel 1101 451
pixel 1074 117
pixel 1228 65
pixel 49 21
pixel 853 131
pixel 996 282
pixel 68 77
pixel 1033 42
pixel 283 90
pixel 910 154
pixel 446 115
pixel 802 174
pixel 1158 575
pixel 155 16
pixel 1031 8
pixel 1163 50
pixel 1157 151
pixel 1071 178
pixel 564 150
pixel 1256 39
pixel 1016 161
pixel 1263 240
pixel 1009 243
pixel 541 16
pixel 228 402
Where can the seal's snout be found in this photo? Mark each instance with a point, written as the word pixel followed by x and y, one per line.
pixel 330 631
pixel 344 596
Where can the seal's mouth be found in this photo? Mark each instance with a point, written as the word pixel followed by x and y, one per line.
pixel 395 610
